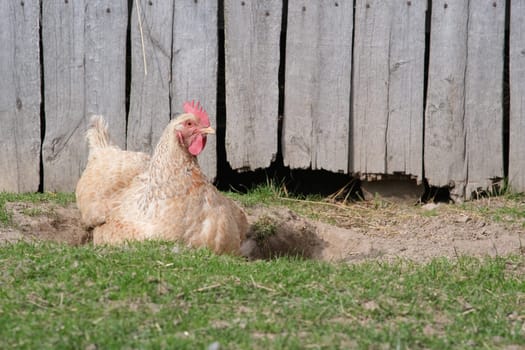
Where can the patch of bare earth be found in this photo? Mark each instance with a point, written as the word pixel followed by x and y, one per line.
pixel 363 231
pixel 44 221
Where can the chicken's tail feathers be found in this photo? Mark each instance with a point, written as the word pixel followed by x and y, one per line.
pixel 97 133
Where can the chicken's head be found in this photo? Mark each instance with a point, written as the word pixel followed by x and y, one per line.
pixel 192 127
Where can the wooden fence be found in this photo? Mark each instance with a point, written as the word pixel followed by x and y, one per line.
pixel 370 86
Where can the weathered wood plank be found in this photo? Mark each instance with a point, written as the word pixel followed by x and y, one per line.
pixel 150 88
pixel 388 84
pixel 484 94
pixel 317 85
pixel 444 116
pixel 106 29
pixel 194 68
pixel 406 89
pixel 463 128
pixel 19 96
pixel 64 150
pixel 252 31
pixel 370 87
pixel 517 97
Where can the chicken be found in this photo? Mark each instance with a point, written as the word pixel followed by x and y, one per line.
pixel 170 199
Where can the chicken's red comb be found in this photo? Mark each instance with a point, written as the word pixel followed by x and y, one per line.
pixel 197 110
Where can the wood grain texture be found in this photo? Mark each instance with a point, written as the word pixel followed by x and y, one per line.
pixel 19 96
pixel 517 97
pixel 252 33
pixel 445 110
pixel 194 66
pixel 388 84
pixel 317 85
pixel 464 118
pixel 150 93
pixel 404 139
pixel 64 149
pixel 105 33
pixel 484 95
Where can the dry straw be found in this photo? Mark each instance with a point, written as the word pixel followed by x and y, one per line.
pixel 141 37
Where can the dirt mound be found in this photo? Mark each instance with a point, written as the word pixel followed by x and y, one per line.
pixel 44 221
pixel 416 238
pixel 277 231
pixel 280 231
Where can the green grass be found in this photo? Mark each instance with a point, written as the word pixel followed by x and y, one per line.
pixel 266 194
pixel 263 228
pixel 149 296
pixel 58 198
pixel 152 296
pixel 508 208
pixel 271 194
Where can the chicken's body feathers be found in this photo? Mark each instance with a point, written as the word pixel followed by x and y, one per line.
pixel 109 170
pixel 97 134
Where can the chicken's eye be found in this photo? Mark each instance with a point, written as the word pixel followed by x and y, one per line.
pixel 189 123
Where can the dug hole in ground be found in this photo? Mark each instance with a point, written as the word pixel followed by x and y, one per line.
pixel 374 229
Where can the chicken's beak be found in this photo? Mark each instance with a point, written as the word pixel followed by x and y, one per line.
pixel 208 130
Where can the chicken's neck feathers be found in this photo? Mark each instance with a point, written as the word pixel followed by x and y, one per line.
pixel 173 171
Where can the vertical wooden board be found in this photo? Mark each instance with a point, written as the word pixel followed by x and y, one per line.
pixel 517 97
pixel 387 133
pixel 194 68
pixel 317 85
pixel 444 152
pixel 484 94
pixel 404 139
pixel 19 96
pixel 64 150
pixel 252 32
pixel 150 89
pixel 370 86
pixel 105 32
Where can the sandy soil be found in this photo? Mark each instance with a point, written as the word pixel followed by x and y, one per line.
pixel 361 233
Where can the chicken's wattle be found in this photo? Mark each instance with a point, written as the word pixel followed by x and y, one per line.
pixel 197 145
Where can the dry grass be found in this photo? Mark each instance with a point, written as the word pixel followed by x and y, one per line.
pixel 387 218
